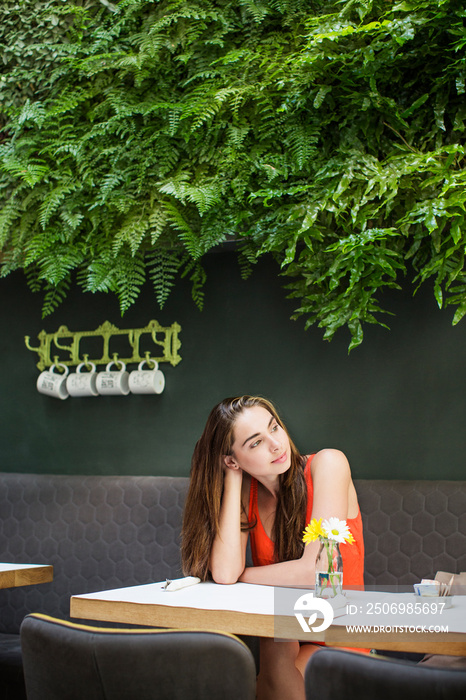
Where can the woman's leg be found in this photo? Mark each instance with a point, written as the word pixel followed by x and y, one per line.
pixel 279 679
pixel 305 653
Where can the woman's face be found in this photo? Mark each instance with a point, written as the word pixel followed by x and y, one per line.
pixel 261 447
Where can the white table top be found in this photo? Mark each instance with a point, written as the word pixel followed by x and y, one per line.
pixel 19 567
pixel 371 608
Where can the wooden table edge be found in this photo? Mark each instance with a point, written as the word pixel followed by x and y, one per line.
pixel 171 617
pixel 256 625
pixel 26 576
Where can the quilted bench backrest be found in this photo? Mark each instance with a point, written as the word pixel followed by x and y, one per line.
pixel 412 529
pixel 99 532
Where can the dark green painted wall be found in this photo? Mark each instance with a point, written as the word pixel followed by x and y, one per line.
pixel 395 405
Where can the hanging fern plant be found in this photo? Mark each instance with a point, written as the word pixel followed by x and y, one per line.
pixel 139 135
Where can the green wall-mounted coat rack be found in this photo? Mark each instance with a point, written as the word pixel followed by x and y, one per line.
pixel 164 338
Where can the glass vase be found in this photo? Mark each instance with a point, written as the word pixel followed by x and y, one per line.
pixel 329 570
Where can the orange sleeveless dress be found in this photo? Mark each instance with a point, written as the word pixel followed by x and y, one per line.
pixel 262 547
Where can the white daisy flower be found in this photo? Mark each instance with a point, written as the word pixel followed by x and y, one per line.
pixel 337 530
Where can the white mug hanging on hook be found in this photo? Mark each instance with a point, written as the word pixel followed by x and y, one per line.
pixel 53 384
pixel 81 383
pixel 147 381
pixel 113 383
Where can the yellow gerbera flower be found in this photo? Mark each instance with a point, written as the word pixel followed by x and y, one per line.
pixel 313 531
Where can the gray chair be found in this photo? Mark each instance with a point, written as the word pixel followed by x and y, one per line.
pixel 334 673
pixel 66 660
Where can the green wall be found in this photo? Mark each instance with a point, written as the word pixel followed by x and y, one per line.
pixel 395 405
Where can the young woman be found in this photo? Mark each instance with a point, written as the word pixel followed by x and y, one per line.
pixel 249 480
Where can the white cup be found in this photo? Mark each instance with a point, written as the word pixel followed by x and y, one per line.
pixel 53 384
pixel 113 383
pixel 82 383
pixel 146 381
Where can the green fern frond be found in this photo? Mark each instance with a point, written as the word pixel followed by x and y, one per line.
pixel 33 112
pixel 237 134
pixel 208 108
pixel 37 246
pixel 53 201
pixel 151 44
pixel 72 220
pixel 56 264
pixel 54 296
pixel 205 195
pixel 173 121
pixel 9 262
pixel 129 278
pixel 157 223
pixel 62 151
pixel 257 10
pixel 108 183
pixel 197 277
pixel 100 275
pixel 132 233
pixel 164 266
pixel 8 214
pixel 186 233
pixel 32 279
pixel 213 232
pixel 176 186
pixel 69 100
pixel 240 185
pixel 247 258
pixel 302 142
pixel 30 172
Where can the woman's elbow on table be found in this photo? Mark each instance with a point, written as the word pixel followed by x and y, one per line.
pixel 224 575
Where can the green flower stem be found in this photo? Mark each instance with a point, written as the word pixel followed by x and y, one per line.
pixel 332 574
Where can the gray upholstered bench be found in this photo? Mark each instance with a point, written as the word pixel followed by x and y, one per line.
pixel 98 532
pixel 106 532
pixel 412 529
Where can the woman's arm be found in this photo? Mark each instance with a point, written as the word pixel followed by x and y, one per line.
pixel 332 483
pixel 228 555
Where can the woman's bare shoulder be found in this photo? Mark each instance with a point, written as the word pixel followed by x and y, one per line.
pixel 330 459
pixel 330 453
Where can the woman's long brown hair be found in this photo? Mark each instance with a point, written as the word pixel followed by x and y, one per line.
pixel 204 498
